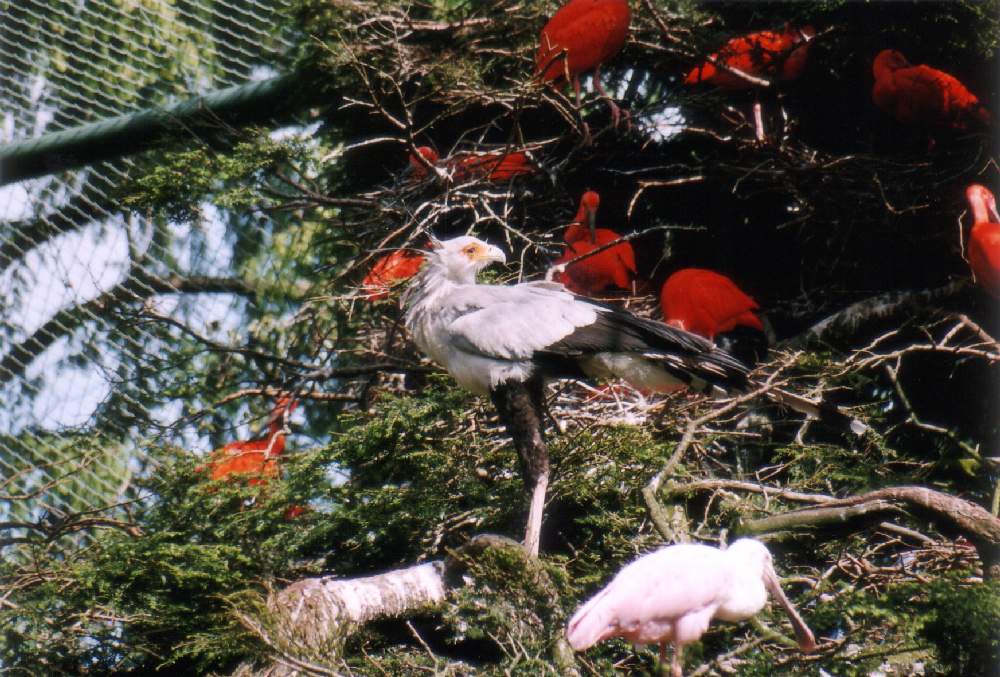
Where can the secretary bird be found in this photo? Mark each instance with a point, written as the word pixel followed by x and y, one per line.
pixel 505 341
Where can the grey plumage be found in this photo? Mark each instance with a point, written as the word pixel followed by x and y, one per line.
pixel 486 335
pixel 506 340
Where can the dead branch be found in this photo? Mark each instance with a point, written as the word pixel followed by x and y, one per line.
pixel 969 519
pixel 305 624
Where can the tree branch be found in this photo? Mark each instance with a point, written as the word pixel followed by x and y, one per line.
pixel 972 521
pixel 138 287
pixel 88 205
pixel 306 623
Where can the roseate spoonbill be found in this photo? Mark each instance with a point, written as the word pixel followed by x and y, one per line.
pixel 258 458
pixel 615 266
pixel 984 239
pixel 707 303
pixel 672 595
pixel 496 167
pixel 580 37
pixel 764 54
pixel 923 96
pixel 390 269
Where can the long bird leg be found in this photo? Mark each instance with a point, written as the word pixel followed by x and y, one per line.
pixel 661 662
pixel 758 122
pixel 520 408
pixel 616 112
pixel 676 666
pixel 579 110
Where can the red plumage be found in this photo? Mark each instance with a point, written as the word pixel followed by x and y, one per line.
pixel 984 239
pixel 256 458
pixel 764 54
pixel 707 303
pixel 924 96
pixel 418 170
pixel 497 167
pixel 392 268
pixel 613 267
pixel 588 32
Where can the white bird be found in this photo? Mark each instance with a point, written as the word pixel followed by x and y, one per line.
pixel 671 595
pixel 506 340
pixel 487 335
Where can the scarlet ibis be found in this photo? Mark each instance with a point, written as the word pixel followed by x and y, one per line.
pixel 764 54
pixel 707 303
pixel 257 458
pixel 615 266
pixel 672 595
pixel 418 170
pixel 580 37
pixel 496 167
pixel 390 269
pixel 923 96
pixel 984 239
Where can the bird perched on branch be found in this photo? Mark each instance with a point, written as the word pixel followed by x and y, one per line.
pixel 672 595
pixel 923 96
pixel 764 54
pixel 257 459
pixel 984 239
pixel 711 305
pixel 579 38
pixel 760 57
pixel 614 266
pixel 389 270
pixel 496 167
pixel 505 341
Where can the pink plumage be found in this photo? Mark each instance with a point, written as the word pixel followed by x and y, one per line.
pixel 672 595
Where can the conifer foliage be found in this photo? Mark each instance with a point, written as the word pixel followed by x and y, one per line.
pixel 843 224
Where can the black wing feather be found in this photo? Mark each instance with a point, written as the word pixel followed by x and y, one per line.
pixel 685 355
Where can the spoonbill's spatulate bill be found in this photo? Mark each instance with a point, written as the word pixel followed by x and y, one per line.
pixel 670 596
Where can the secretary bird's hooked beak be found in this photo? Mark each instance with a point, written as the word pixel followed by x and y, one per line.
pixel 493 254
pixel 803 635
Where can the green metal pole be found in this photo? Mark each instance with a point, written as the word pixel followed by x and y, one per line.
pixel 128 134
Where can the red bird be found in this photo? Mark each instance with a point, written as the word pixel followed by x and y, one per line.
pixel 392 268
pixel 615 266
pixel 418 170
pixel 764 54
pixel 497 167
pixel 258 458
pixel 707 303
pixel 984 239
pixel 580 37
pixel 923 96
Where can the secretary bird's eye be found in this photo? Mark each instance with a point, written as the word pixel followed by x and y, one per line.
pixel 470 250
